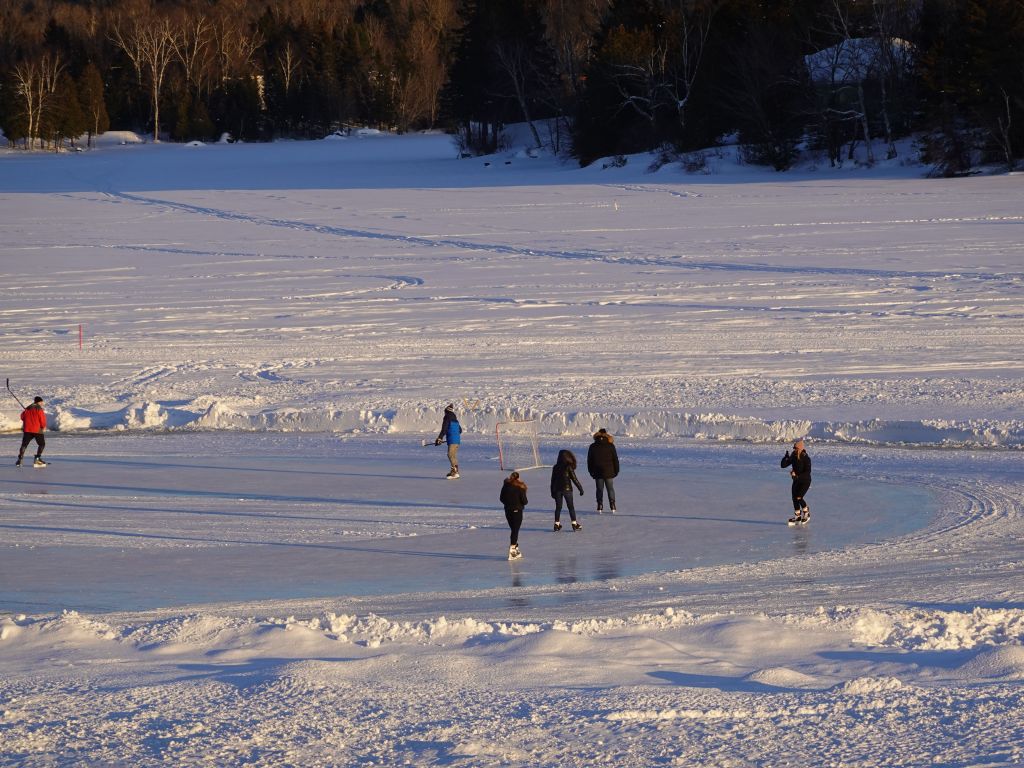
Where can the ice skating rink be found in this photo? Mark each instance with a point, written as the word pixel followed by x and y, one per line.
pixel 134 522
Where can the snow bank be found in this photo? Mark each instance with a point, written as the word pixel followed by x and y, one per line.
pixel 217 633
pixel 117 138
pixel 419 418
pixel 923 629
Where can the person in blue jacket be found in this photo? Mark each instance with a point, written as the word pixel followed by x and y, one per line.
pixel 451 433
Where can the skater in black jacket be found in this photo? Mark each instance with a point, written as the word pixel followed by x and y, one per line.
pixel 513 498
pixel 800 471
pixel 603 466
pixel 563 478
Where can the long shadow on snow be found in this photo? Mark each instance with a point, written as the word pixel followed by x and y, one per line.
pixel 246 675
pixel 720 683
pixel 951 659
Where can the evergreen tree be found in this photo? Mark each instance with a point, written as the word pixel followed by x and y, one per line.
pixel 90 88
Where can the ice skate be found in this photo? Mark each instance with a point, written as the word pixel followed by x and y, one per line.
pixel 600 509
pixel 39 463
pixel 558 527
pixel 613 509
pixel 576 526
pixel 513 552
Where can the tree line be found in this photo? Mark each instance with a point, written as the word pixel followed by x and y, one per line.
pixel 590 78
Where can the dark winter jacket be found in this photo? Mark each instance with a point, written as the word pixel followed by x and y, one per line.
pixel 513 495
pixel 451 430
pixel 602 458
pixel 801 464
pixel 563 475
pixel 34 418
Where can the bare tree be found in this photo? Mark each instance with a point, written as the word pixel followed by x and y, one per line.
pixel 151 47
pixel 235 43
pixel 35 81
pixel 515 58
pixel 659 67
pixel 893 25
pixel 289 63
pixel 569 29
pixel 844 66
pixel 692 28
pixel 193 48
pixel 1001 132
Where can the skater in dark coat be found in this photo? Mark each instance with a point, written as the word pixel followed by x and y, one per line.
pixel 33 421
pixel 800 464
pixel 603 466
pixel 563 478
pixel 513 498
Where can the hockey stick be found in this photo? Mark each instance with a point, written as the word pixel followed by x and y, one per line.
pixel 425 443
pixel 14 395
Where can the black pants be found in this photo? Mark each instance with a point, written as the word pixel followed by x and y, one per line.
pixel 602 483
pixel 800 487
pixel 27 438
pixel 515 522
pixel 567 497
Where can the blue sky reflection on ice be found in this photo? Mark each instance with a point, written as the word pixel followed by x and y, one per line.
pixel 137 522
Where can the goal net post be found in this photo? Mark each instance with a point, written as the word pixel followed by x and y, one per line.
pixel 518 447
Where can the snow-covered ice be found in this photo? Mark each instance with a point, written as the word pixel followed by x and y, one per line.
pixel 241 553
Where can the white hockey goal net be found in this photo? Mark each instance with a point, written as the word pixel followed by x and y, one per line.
pixel 518 445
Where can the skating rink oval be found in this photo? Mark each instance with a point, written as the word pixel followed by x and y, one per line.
pixel 134 522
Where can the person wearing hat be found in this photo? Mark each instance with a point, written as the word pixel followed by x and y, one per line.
pixel 603 466
pixel 33 421
pixel 800 471
pixel 451 433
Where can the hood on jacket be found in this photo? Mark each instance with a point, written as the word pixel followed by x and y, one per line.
pixel 603 434
pixel 513 479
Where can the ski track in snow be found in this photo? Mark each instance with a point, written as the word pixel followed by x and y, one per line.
pixel 354 300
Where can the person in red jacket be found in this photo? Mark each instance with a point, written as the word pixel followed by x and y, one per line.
pixel 34 420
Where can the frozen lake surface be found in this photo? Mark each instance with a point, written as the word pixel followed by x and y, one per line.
pixel 131 522
pixel 242 555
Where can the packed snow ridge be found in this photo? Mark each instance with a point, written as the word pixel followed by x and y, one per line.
pixel 153 416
